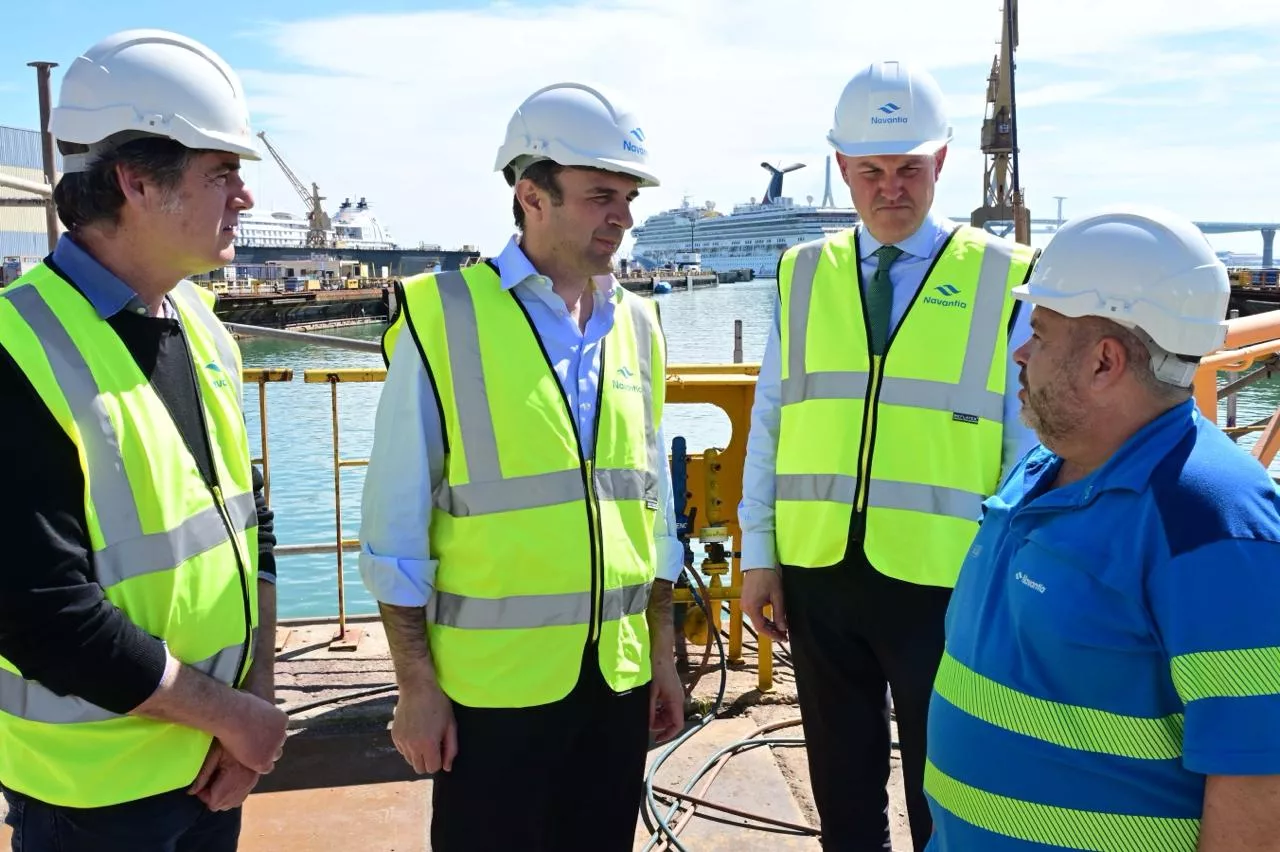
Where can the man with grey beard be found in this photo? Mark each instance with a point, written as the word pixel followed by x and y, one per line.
pixel 1111 677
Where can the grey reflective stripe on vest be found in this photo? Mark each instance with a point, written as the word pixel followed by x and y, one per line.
pixel 34 702
pixel 147 554
pixel 832 487
pixel 127 551
pixel 620 480
pixel 462 334
pixel 217 333
pixel 883 494
pixel 929 499
pixel 488 492
pixel 968 396
pixel 796 387
pixel 528 612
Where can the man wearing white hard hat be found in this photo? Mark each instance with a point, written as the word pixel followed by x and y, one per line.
pixel 137 604
pixel 1112 669
pixel 885 412
pixel 518 528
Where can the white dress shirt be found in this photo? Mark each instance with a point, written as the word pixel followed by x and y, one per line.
pixel 755 512
pixel 406 463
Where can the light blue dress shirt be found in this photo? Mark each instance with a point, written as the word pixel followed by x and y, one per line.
pixel 755 512
pixel 106 292
pixel 406 463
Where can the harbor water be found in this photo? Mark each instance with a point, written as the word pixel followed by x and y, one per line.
pixel 699 329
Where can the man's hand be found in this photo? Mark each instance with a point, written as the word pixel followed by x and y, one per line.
pixel 424 730
pixel 666 701
pixel 762 587
pixel 255 736
pixel 224 782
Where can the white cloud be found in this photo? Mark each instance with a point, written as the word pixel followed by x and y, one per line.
pixel 409 109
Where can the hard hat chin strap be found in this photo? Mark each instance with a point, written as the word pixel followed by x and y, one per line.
pixel 1177 370
pixel 521 164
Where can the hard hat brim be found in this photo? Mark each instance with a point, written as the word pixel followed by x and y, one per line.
pixel 646 178
pixel 907 148
pixel 1189 338
pixel 623 167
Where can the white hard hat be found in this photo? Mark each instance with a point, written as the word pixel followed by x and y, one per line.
pixel 890 108
pixel 152 83
pixel 576 125
pixel 1145 268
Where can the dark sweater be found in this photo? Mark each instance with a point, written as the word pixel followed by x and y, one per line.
pixel 56 624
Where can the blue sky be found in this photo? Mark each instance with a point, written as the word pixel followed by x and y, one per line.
pixel 1173 103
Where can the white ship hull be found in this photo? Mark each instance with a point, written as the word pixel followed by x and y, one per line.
pixel 754 236
pixel 352 227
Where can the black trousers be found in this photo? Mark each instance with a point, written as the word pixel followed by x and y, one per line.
pixel 856 635
pixel 169 822
pixel 562 776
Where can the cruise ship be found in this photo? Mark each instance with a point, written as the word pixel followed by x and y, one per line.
pixel 752 237
pixel 354 226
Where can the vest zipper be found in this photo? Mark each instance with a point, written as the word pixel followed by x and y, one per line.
pixel 593 508
pixel 215 488
pixel 868 429
pixel 858 525
pixel 586 466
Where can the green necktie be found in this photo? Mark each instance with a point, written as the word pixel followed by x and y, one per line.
pixel 880 298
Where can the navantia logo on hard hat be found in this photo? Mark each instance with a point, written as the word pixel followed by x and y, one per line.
pixel 890 115
pixel 636 147
pixel 574 124
pixel 889 108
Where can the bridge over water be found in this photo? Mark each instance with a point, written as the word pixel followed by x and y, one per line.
pixel 1049 226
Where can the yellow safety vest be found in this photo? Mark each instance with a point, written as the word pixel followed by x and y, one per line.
pixel 177 557
pixel 918 461
pixel 541 551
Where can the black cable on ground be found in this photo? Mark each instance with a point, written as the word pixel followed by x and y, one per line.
pixel 664 832
pixel 663 827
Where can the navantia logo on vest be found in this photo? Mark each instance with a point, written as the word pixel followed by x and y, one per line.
pixel 950 294
pixel 623 383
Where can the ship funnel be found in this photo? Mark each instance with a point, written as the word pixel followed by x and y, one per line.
pixel 774 191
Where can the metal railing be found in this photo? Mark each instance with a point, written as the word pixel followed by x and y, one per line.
pixel 713 478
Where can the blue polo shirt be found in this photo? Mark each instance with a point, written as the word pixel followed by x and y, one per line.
pixel 1110 643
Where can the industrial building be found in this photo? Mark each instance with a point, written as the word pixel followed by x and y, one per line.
pixel 22 227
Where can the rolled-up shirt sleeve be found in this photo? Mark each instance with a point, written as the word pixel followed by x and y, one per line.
pixel 406 465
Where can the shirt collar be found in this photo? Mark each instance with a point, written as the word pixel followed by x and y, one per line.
pixel 1131 466
pixel 107 293
pixel 514 267
pixel 932 231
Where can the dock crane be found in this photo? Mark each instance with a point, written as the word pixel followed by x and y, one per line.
pixel 317 220
pixel 1002 192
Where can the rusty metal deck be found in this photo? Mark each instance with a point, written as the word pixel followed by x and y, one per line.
pixel 341 785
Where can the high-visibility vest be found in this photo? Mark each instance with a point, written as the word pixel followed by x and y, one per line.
pixel 176 556
pixel 903 477
pixel 543 551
